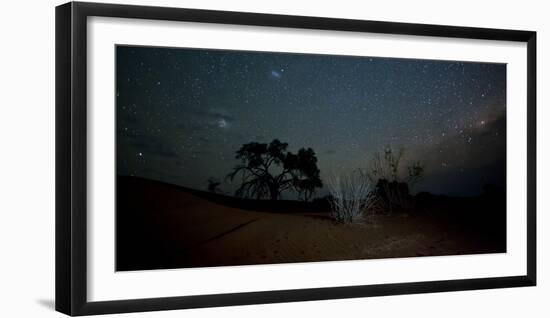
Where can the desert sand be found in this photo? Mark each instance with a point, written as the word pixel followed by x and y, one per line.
pixel 165 226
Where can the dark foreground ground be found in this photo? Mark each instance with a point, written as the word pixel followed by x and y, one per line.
pixel 164 226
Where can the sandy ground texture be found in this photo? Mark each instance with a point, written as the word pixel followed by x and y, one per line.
pixel 163 226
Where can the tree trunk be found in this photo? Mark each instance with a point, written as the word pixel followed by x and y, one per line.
pixel 274 192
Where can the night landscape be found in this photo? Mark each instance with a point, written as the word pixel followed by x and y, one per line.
pixel 243 158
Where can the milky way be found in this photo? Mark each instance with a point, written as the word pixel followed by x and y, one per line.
pixel 182 114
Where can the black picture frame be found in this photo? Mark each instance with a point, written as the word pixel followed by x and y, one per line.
pixel 71 157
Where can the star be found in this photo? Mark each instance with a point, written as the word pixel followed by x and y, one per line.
pixel 213 101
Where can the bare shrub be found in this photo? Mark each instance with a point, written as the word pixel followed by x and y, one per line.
pixel 393 184
pixel 351 197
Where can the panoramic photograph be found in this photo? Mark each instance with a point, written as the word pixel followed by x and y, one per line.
pixel 233 158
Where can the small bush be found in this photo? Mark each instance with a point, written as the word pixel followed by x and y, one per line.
pixel 351 197
pixel 393 180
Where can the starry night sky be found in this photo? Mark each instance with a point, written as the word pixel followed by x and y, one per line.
pixel 182 114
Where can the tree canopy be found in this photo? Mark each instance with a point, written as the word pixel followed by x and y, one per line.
pixel 266 170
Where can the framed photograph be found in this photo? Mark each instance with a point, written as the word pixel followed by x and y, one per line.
pixel 208 158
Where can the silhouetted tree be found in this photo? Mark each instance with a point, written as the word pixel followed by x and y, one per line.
pixel 306 173
pixel 415 173
pixel 214 185
pixel 392 182
pixel 266 170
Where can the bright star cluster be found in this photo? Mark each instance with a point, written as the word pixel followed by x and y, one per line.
pixel 182 113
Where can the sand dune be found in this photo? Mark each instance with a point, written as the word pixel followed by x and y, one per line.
pixel 163 226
